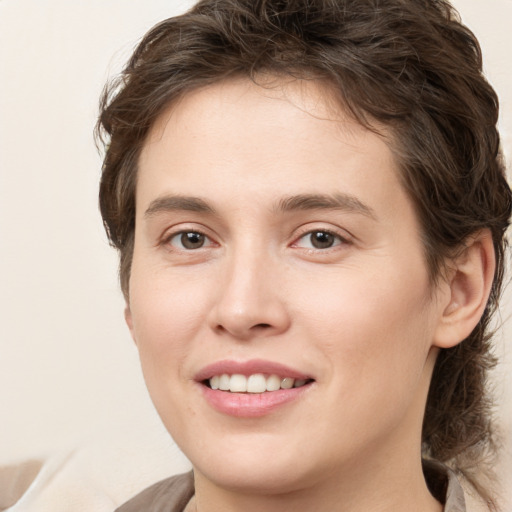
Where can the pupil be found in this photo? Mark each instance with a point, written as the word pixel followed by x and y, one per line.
pixel 322 240
pixel 192 240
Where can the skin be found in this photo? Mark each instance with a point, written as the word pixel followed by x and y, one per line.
pixel 361 317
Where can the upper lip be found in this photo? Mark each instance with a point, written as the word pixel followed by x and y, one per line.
pixel 247 368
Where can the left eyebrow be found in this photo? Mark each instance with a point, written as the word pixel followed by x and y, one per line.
pixel 337 201
pixel 177 202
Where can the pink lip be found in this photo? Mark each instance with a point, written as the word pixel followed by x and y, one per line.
pixel 249 405
pixel 248 368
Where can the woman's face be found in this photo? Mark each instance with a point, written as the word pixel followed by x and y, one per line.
pixel 275 243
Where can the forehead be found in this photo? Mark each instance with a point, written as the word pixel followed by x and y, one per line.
pixel 265 140
pixel 289 99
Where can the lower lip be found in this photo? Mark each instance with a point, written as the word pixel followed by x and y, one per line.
pixel 250 405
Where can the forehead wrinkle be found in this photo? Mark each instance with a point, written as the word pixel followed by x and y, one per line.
pixel 337 201
pixel 176 202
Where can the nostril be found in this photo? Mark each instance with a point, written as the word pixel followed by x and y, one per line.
pixel 262 326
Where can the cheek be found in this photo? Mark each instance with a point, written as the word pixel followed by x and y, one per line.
pixel 167 314
pixel 166 318
pixel 374 329
pixel 375 350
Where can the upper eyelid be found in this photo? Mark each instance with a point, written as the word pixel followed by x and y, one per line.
pixel 163 239
pixel 297 233
pixel 341 238
pixel 183 231
pixel 343 234
pixel 177 229
pixel 166 241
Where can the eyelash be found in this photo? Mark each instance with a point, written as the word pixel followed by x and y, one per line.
pixel 336 239
pixel 168 240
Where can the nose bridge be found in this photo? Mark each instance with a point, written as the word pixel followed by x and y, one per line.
pixel 249 301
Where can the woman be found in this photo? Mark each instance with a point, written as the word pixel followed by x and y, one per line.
pixel 310 206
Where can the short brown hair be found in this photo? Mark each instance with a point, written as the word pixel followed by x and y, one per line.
pixel 408 64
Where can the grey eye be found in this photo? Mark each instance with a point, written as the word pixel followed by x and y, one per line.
pixel 188 240
pixel 319 240
pixel 322 239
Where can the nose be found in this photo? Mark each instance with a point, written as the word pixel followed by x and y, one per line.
pixel 251 301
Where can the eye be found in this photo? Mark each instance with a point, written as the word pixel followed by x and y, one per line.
pixel 319 239
pixel 189 240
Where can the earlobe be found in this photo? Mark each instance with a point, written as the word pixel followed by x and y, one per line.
pixel 470 281
pixel 129 321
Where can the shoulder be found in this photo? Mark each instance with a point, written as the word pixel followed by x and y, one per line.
pixel 444 486
pixel 169 495
pixel 452 490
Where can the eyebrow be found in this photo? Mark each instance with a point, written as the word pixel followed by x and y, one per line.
pixel 301 202
pixel 175 203
pixel 337 201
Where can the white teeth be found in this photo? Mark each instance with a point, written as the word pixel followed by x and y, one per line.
pixel 214 382
pixel 238 383
pixel 223 382
pixel 273 383
pixel 256 383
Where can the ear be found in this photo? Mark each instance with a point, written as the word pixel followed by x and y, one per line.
pixel 129 321
pixel 470 279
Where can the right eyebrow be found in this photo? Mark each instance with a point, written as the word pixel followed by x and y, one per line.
pixel 336 201
pixel 171 203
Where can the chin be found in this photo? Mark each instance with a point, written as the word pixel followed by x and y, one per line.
pixel 254 477
pixel 260 465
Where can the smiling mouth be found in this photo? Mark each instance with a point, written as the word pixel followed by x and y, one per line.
pixel 256 383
